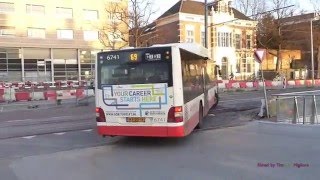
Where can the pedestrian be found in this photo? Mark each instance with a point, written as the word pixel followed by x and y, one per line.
pixel 284 81
pixel 231 76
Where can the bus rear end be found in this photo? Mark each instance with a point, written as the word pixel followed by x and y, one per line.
pixel 134 94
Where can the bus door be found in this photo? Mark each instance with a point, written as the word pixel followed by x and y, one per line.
pixel 205 88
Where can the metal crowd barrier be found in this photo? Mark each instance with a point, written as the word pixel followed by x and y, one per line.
pixel 298 108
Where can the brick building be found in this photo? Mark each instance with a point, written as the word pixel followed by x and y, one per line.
pixel 296 31
pixel 231 35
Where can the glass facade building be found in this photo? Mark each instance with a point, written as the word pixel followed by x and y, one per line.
pixel 51 40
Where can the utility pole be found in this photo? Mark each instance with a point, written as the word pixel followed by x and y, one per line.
pixel 312 56
pixel 205 24
pixel 315 18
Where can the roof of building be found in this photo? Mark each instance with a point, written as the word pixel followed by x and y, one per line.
pixel 240 15
pixel 299 18
pixel 190 47
pixel 149 28
pixel 195 7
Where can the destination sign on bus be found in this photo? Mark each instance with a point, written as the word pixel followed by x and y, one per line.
pixel 134 56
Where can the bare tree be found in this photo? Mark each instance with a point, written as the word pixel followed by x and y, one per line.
pixel 252 8
pixel 114 34
pixel 316 5
pixel 126 23
pixel 139 16
pixel 271 27
pixel 280 13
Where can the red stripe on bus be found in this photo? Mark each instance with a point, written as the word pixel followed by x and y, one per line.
pixel 192 123
pixel 144 131
pixel 151 131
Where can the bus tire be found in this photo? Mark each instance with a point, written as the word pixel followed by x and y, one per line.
pixel 200 124
pixel 217 100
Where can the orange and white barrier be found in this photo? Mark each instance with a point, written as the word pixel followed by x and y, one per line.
pixel 232 84
pixel 2 95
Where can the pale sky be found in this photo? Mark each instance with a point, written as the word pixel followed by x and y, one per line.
pixel 163 5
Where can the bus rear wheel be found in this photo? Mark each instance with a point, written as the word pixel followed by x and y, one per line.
pixel 217 100
pixel 200 124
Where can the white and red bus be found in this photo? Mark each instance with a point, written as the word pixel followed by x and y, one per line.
pixel 159 91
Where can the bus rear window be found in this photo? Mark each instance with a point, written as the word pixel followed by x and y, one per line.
pixel 135 73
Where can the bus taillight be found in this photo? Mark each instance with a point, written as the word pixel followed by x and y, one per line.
pixel 175 115
pixel 100 116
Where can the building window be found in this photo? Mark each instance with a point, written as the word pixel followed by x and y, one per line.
pixel 244 64
pixel 203 38
pixel 37 33
pixel 65 34
pixel 247 67
pixel 35 9
pixel 249 39
pixel 64 12
pixel 238 65
pixel 90 35
pixel 90 14
pixel 238 41
pixel 7 31
pixel 6 7
pixel 190 36
pixel 224 39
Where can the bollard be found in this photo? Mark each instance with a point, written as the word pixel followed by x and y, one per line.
pixel 296 112
pixel 304 110
pixel 284 83
pixel 262 108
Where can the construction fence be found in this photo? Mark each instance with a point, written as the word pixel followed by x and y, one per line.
pixel 46 91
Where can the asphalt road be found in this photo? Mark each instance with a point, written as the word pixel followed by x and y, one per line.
pixel 284 151
pixel 59 119
pixel 61 143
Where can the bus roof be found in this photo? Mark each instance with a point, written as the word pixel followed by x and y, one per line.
pixel 190 47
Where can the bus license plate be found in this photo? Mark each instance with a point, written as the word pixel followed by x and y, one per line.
pixel 136 119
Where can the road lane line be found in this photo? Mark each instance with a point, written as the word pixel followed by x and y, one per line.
pixel 59 134
pixel 28 137
pixel 87 130
pixel 51 118
pixel 19 120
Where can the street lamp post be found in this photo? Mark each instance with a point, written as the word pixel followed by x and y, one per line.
pixel 205 23
pixel 316 17
pixel 312 58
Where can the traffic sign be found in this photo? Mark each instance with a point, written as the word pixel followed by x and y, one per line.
pixel 259 55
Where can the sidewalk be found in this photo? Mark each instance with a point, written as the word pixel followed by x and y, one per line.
pixel 44 104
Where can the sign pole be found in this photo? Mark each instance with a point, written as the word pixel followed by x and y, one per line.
pixel 259 55
pixel 264 91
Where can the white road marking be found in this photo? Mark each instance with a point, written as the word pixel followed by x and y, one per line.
pixel 87 130
pixel 60 133
pixel 28 137
pixel 211 115
pixel 20 120
pixel 51 118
